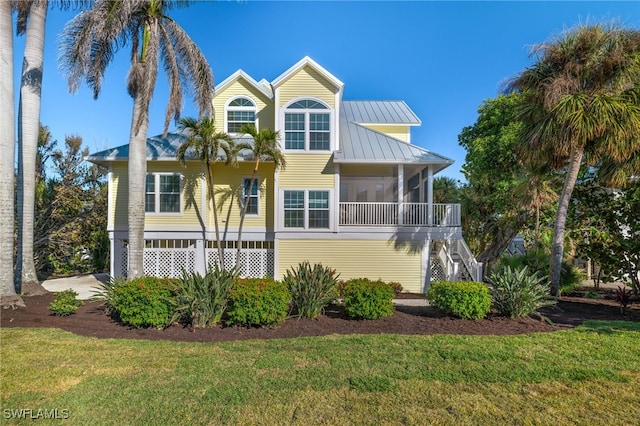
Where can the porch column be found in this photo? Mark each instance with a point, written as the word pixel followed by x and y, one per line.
pixel 201 257
pixel 430 195
pixel 400 194
pixel 426 265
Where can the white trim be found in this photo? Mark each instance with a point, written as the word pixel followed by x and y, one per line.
pixel 305 228
pixel 111 214
pixel 301 64
pixel 336 197
pixel 333 134
pixel 259 183
pixel 253 109
pixel 241 74
pixel 156 193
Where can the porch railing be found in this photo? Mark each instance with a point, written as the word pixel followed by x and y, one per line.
pixel 398 214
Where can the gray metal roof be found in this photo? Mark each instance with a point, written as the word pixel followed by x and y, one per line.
pixel 360 145
pixel 159 148
pixel 379 112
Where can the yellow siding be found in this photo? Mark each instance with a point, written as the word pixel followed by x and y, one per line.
pixel 307 82
pixel 264 105
pixel 228 180
pixel 373 259
pixel 307 171
pixel 191 194
pixel 398 132
pixel 118 196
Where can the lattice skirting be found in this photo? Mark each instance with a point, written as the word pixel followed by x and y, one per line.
pixel 256 263
pixel 437 269
pixel 171 261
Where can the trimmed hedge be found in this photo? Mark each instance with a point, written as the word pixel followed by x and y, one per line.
pixel 258 302
pixel 467 300
pixel 144 302
pixel 366 299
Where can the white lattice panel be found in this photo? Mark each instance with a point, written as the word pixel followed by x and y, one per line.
pixel 123 262
pixel 437 270
pixel 255 263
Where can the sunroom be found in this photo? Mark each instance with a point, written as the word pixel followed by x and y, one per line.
pixel 388 182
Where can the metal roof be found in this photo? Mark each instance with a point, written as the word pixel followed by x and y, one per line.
pixel 379 112
pixel 360 145
pixel 162 148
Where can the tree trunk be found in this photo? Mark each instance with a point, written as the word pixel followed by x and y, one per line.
pixel 212 194
pixel 244 211
pixel 500 242
pixel 137 188
pixel 29 125
pixel 557 245
pixel 8 296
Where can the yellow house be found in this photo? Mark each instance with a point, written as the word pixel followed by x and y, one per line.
pixel 355 195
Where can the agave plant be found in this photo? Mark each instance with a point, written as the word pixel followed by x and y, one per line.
pixel 312 288
pixel 518 293
pixel 202 300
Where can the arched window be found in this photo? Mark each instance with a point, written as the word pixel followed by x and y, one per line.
pixel 307 126
pixel 240 111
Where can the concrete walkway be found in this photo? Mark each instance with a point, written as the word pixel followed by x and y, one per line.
pixel 85 285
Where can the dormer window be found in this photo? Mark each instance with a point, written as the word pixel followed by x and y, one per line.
pixel 307 126
pixel 240 111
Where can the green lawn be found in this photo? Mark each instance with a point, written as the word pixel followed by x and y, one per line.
pixel 589 375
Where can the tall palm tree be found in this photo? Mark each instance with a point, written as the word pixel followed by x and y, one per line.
pixel 265 147
pixel 89 42
pixel 205 143
pixel 581 105
pixel 31 20
pixel 8 296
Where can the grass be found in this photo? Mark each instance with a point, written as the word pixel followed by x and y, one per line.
pixel 589 375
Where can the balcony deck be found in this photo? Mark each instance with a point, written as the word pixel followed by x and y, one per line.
pixel 399 214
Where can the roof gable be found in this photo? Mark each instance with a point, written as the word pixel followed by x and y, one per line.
pixel 240 74
pixel 307 62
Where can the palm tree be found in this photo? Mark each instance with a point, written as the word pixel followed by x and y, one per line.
pixel 89 42
pixel 265 147
pixel 581 105
pixel 31 20
pixel 205 143
pixel 8 296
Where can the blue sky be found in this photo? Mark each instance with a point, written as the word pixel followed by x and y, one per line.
pixel 442 58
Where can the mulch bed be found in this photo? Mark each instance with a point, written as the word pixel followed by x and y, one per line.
pixel 90 320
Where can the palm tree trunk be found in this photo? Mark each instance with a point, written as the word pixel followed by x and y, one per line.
pixel 212 194
pixel 137 188
pixel 244 211
pixel 557 245
pixel 29 122
pixel 8 296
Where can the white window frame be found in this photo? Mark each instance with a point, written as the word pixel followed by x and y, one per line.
pixel 228 108
pixel 157 193
pixel 307 131
pixel 306 209
pixel 257 196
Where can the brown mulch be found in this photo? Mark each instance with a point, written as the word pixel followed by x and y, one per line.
pixel 90 320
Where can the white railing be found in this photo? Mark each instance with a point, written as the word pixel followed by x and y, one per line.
pixel 388 214
pixel 459 247
pixel 359 213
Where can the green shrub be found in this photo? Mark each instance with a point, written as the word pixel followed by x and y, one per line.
pixel 105 293
pixel 396 286
pixel 144 302
pixel 311 288
pixel 517 292
pixel 201 300
pixel 366 299
pixel 65 303
pixel 467 300
pixel 538 263
pixel 258 302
